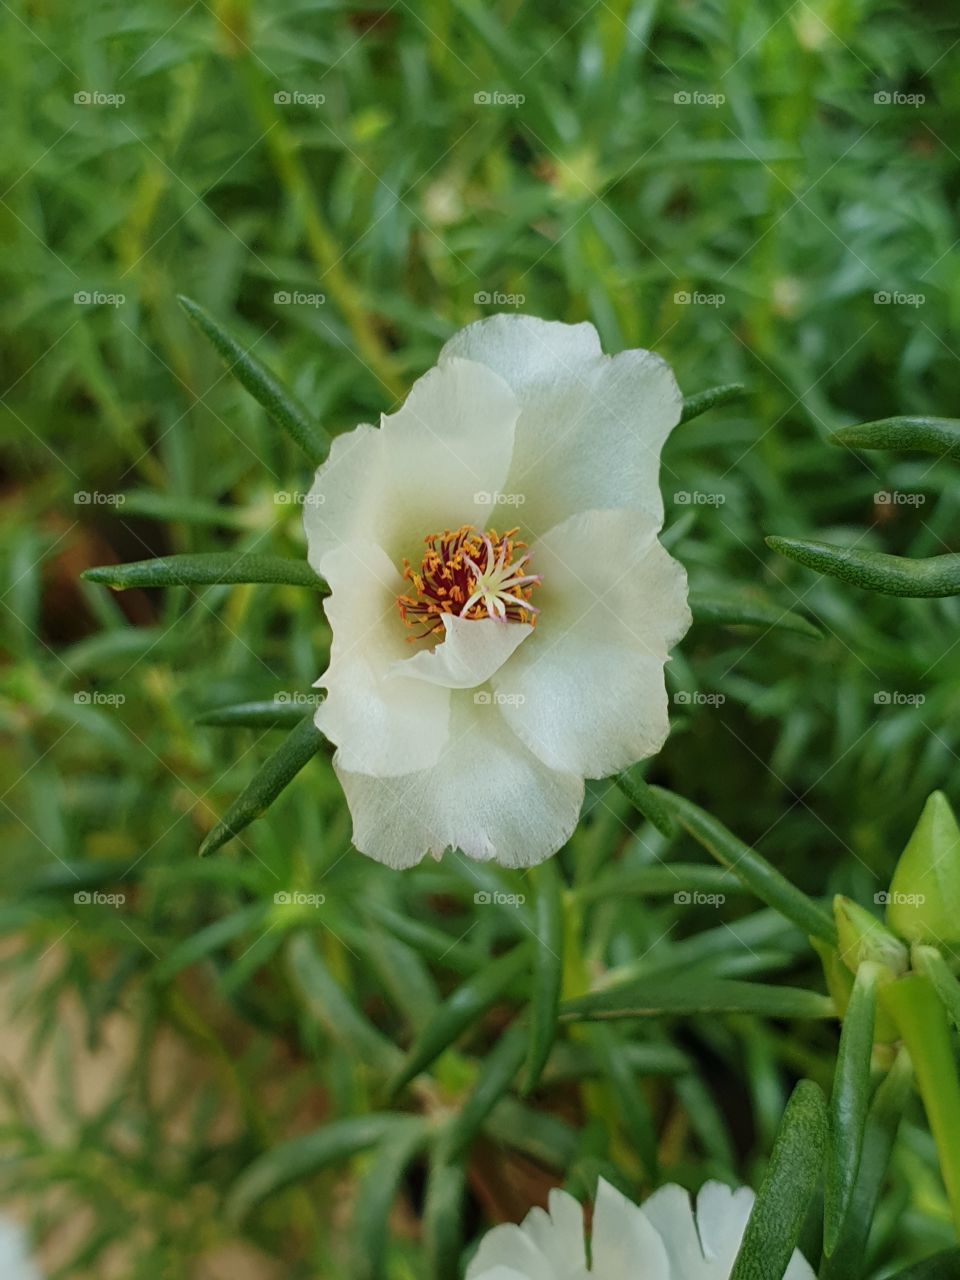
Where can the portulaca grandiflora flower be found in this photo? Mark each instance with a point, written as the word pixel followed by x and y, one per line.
pixel 662 1240
pixel 501 608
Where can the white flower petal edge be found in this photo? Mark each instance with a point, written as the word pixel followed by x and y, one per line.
pixel 661 1240
pixel 15 1263
pixel 487 795
pixel 586 692
pixel 591 426
pixel 430 465
pixel 472 651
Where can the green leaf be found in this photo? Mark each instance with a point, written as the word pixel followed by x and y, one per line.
pixel 926 435
pixel 208 940
pixel 753 870
pixel 749 611
pixel 849 1102
pixel 786 1191
pixel 376 1193
pixel 547 971
pixel 657 997
pixel 861 936
pixel 645 800
pixel 693 406
pixel 274 714
pixel 443 1215
pixel 883 1120
pixel 461 1010
pixel 206 568
pixel 928 961
pixel 282 406
pixel 940 1266
pixel 632 1107
pixel 669 878
pixel 923 904
pixel 493 1080
pixel 307 1154
pixel 875 570
pixel 277 771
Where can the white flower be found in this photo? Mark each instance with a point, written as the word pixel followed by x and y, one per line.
pixel 501 608
pixel 663 1240
pixel 15 1261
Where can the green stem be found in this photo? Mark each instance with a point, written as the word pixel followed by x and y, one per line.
pixel 922 1022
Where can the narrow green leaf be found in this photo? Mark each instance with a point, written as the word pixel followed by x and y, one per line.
pixel 693 406
pixel 547 971
pixel 208 940
pixel 668 877
pixel 376 1193
pixel 658 997
pixel 282 406
pixel 883 1120
pixel 206 568
pixel 170 507
pixel 753 870
pixel 786 1191
pixel 443 1215
pixel 939 1266
pixel 749 611
pixel 633 1110
pixel 461 1010
pixel 928 960
pixel 307 1154
pixel 276 772
pixel 925 435
pixel 537 1134
pixel 875 570
pixel 849 1103
pixel 493 1080
pixel 274 714
pixel 328 1004
pixel 645 800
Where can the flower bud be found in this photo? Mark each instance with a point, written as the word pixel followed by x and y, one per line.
pixel 924 900
pixel 861 936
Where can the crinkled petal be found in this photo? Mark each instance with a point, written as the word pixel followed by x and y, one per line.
pixel 591 426
pixel 487 795
pixel 378 724
pixel 432 465
pixel 586 692
pixel 624 1244
pixel 472 651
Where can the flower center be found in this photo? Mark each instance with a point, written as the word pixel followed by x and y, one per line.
pixel 469 575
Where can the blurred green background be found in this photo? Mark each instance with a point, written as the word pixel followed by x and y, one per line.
pixel 765 193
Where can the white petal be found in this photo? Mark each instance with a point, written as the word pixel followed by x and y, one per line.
pixel 487 795
pixel 507 1252
pixel 15 1263
pixel 624 1245
pixel 431 466
pixel 559 1233
pixel 586 692
pixel 669 1212
pixel 472 651
pixel 591 426
pixel 379 725
pixel 721 1219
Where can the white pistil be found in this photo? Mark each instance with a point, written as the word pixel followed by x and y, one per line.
pixel 495 583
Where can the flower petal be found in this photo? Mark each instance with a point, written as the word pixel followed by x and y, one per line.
pixel 432 465
pixel 507 1252
pixel 379 725
pixel 670 1213
pixel 624 1244
pixel 558 1233
pixel 721 1220
pixel 586 692
pixel 591 426
pixel 487 795
pixel 472 651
